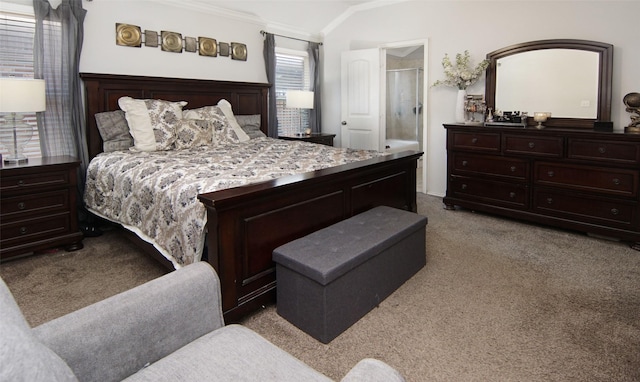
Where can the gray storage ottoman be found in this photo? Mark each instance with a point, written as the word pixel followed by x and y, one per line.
pixel 331 278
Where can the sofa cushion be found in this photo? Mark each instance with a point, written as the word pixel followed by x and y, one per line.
pixel 22 356
pixel 233 353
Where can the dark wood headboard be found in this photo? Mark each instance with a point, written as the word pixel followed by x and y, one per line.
pixel 102 92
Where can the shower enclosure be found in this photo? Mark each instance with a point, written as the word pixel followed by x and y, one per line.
pixel 404 110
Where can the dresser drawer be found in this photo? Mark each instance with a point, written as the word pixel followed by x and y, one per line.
pixel 587 178
pixel 33 181
pixel 485 142
pixel 513 168
pixel 33 230
pixel 513 195
pixel 611 213
pixel 604 151
pixel 17 207
pixel 534 146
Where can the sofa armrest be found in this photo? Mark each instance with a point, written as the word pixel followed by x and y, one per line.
pixel 118 336
pixel 372 370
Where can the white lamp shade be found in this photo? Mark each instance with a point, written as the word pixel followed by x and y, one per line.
pixel 22 95
pixel 301 99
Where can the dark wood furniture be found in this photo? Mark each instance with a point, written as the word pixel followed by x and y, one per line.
pixel 570 178
pixel 246 223
pixel 321 138
pixel 39 208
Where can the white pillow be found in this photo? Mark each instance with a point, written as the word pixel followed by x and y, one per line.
pixel 152 123
pixel 225 106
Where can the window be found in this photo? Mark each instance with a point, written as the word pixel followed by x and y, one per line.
pixel 16 60
pixel 292 73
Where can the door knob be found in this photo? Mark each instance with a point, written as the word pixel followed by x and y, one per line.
pixel 344 123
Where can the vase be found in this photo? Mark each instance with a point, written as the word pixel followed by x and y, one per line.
pixel 460 114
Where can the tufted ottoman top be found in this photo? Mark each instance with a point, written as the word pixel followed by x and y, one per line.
pixel 327 254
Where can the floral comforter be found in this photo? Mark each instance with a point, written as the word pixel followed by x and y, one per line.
pixel 154 194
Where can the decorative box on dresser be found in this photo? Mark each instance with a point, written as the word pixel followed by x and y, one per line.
pixel 576 179
pixel 39 206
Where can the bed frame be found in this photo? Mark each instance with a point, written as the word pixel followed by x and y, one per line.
pixel 245 224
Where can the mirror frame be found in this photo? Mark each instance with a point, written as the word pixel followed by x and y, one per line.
pixel 605 76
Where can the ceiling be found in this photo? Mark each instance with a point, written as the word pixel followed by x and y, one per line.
pixel 306 18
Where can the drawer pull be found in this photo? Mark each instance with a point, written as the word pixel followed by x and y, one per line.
pixel 464 163
pixel 614 211
pixel 21 182
pixel 512 168
pixel 616 181
pixel 464 187
pixel 532 145
pixel 21 206
pixel 23 230
pixel 550 174
pixel 474 140
pixel 602 150
pixel 549 200
pixel 512 195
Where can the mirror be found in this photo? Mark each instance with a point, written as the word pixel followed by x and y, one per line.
pixel 571 79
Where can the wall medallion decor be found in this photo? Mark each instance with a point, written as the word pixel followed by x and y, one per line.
pixel 131 35
pixel 208 46
pixel 171 42
pixel 128 35
pixel 238 51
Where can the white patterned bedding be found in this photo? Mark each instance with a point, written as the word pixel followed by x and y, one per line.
pixel 154 194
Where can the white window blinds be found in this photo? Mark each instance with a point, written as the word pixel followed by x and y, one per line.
pixel 292 73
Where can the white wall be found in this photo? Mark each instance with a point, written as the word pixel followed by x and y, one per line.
pixel 481 27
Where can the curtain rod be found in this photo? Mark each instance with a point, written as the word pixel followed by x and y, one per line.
pixel 292 38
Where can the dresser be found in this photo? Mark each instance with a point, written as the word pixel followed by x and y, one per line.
pixel 39 210
pixel 576 179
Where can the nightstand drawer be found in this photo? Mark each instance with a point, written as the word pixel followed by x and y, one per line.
pixel 530 145
pixel 17 207
pixel 606 180
pixel 605 151
pixel 32 230
pixel 36 181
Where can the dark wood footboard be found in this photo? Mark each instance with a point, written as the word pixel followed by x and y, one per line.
pixel 246 224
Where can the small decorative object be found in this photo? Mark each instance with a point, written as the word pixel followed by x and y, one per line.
pixel 128 35
pixel 223 49
pixel 207 46
pixel 541 117
pixel 474 104
pixel 238 51
pixel 461 76
pixel 489 116
pixel 171 42
pixel 151 39
pixel 190 44
pixel 632 103
pixel 19 95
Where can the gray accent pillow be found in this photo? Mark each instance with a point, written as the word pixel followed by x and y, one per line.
pixel 251 125
pixel 114 131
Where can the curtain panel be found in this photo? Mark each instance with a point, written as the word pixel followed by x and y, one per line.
pixel 270 66
pixel 314 63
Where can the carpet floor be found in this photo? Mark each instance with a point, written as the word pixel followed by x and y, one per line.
pixel 499 300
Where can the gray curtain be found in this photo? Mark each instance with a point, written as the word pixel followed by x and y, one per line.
pixel 270 65
pixel 56 55
pixel 314 63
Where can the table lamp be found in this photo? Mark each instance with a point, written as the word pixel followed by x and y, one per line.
pixel 300 99
pixel 17 96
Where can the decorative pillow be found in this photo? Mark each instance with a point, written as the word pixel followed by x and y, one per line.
pixel 222 130
pixel 225 106
pixel 251 125
pixel 152 123
pixel 193 133
pixel 114 131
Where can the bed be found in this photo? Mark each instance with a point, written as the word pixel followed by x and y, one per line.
pixel 245 223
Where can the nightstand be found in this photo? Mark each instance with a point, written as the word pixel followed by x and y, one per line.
pixel 324 139
pixel 38 201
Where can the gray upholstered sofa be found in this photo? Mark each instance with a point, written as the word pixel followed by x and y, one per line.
pixel 169 329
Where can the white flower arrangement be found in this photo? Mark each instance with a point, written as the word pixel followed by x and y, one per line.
pixel 461 75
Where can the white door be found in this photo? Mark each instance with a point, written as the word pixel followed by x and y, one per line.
pixel 360 89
